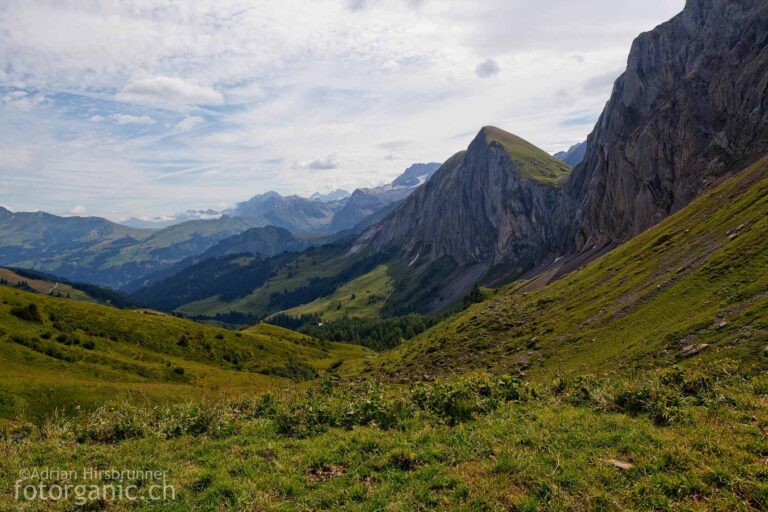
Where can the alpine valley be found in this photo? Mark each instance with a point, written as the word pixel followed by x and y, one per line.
pixel 507 330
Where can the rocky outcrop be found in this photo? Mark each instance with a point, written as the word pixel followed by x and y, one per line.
pixel 691 108
pixel 493 205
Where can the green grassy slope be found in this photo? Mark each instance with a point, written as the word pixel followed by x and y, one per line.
pixel 697 278
pixel 253 287
pixel 362 297
pixel 44 287
pixel 75 353
pixel 318 263
pixel 533 162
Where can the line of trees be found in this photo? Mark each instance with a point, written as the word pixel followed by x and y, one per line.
pixel 374 333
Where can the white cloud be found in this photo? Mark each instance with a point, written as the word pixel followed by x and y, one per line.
pixel 487 68
pixel 167 91
pixel 22 100
pixel 78 210
pixel 122 119
pixel 131 119
pixel 323 164
pixel 189 123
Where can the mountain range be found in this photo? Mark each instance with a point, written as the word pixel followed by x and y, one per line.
pixel 334 195
pixel 98 251
pixel 337 211
pixel 689 111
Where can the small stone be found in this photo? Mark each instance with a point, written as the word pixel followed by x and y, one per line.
pixel 765 351
pixel 722 324
pixel 624 466
pixel 692 350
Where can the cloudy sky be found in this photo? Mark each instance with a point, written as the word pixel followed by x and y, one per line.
pixel 148 107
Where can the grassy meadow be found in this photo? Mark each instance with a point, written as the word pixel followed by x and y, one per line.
pixel 677 439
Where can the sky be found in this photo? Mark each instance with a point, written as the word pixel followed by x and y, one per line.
pixel 144 108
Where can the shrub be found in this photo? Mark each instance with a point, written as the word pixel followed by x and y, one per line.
pixel 89 345
pixel 662 404
pixel 66 339
pixel 374 408
pixel 42 347
pixel 457 402
pixel 294 370
pixel 113 423
pixel 760 386
pixel 28 313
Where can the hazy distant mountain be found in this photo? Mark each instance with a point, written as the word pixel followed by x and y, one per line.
pixel 297 214
pixel 267 241
pixel 164 222
pixel 334 195
pixel 262 241
pixel 325 215
pixel 95 250
pixel 574 155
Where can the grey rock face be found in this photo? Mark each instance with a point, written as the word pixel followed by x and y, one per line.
pixel 477 208
pixel 691 107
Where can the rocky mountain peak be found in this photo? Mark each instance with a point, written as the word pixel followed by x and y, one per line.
pixel 489 205
pixel 531 161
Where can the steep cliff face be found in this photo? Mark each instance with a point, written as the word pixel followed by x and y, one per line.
pixel 493 205
pixel 691 107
